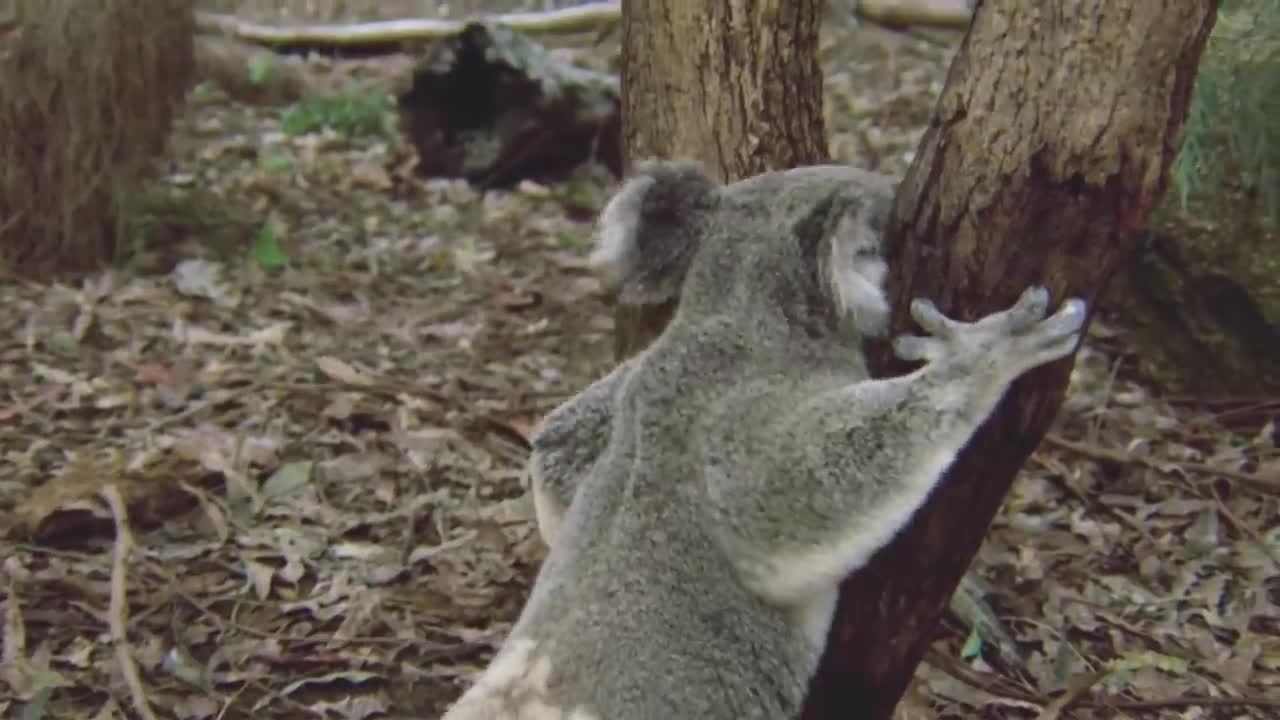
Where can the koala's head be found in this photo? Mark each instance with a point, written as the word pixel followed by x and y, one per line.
pixel 805 243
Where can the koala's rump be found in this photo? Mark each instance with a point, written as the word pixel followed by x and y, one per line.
pixel 676 636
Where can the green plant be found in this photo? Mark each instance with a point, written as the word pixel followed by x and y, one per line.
pixel 275 161
pixel 261 68
pixel 1234 108
pixel 266 250
pixel 355 114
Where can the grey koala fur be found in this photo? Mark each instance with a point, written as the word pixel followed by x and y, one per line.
pixel 704 499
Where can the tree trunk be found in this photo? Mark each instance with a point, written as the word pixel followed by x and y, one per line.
pixel 1049 148
pixel 1037 139
pixel 734 84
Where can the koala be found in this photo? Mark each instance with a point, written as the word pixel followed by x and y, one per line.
pixel 703 501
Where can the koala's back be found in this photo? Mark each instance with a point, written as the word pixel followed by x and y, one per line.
pixel 655 485
pixel 620 625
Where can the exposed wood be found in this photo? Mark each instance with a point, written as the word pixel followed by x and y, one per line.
pixel 1042 165
pixel 948 15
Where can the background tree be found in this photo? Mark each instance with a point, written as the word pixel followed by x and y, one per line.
pixel 90 93
pixel 1042 165
pixel 736 85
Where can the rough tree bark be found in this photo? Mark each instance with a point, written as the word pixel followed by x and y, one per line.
pixel 736 85
pixel 1049 147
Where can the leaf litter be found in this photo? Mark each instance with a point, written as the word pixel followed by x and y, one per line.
pixel 287 482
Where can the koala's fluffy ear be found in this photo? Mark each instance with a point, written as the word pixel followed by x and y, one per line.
pixel 853 266
pixel 649 231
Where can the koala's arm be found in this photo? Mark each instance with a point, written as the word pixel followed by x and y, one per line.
pixel 566 445
pixel 806 498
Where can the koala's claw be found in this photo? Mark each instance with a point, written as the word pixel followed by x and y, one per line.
pixel 913 347
pixel 930 318
pixel 1030 308
pixel 1067 321
pixel 1020 337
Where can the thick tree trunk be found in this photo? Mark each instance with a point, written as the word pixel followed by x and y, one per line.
pixel 1049 148
pixel 735 84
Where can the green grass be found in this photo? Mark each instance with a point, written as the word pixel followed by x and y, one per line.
pixel 355 114
pixel 1232 127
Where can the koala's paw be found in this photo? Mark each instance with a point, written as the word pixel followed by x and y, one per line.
pixel 1018 339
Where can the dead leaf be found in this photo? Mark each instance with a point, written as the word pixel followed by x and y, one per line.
pixel 203 279
pixel 260 576
pixel 288 479
pixel 342 372
pixel 151 373
pixel 68 504
pixel 371 175
pixel 516 300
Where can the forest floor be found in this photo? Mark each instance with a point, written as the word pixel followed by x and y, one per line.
pixel 314 402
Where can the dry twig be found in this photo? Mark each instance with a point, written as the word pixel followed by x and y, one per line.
pixel 1123 458
pixel 1053 710
pixel 118 612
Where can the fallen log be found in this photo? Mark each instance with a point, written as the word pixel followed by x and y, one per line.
pixel 494 107
pixel 390 35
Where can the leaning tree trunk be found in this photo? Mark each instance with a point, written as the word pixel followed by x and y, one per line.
pixel 1049 148
pixel 736 85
